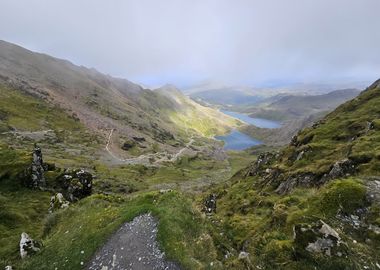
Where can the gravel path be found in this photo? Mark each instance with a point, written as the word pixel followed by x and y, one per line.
pixel 133 246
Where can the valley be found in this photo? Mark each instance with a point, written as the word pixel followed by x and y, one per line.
pixel 90 163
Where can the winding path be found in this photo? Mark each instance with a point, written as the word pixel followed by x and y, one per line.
pixel 146 158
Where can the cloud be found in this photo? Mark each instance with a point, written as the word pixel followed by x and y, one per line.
pixel 184 41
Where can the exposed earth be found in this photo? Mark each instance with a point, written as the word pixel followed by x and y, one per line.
pixel 133 246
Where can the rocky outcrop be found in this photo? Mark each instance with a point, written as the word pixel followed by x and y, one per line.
pixel 262 162
pixel 342 168
pixel 37 168
pixel 58 202
pixel 318 238
pixel 28 246
pixel 302 179
pixel 76 184
pixel 210 204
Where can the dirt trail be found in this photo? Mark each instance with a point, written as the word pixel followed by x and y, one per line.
pixel 133 246
pixel 146 158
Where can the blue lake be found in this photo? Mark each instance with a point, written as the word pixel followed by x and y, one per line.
pixel 237 140
pixel 258 122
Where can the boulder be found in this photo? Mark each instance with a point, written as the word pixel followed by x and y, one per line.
pixel 340 168
pixel 58 202
pixel 76 184
pixel 210 204
pixel 28 246
pixel 37 168
pixel 318 238
pixel 8 267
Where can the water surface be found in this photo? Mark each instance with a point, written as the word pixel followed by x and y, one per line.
pixel 258 122
pixel 237 140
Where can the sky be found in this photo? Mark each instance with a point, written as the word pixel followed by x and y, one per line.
pixel 184 42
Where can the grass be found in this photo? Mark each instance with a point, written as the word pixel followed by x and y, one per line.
pixel 86 225
pixel 261 223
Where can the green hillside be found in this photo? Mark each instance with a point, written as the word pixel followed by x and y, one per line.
pixel 275 209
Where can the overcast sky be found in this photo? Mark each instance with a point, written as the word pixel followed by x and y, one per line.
pixel 251 42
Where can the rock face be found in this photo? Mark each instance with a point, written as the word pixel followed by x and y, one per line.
pixel 28 246
pixel 210 204
pixel 319 238
pixel 58 202
pixel 37 169
pixel 341 168
pixel 76 184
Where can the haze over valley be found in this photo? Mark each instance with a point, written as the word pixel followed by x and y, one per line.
pixel 189 135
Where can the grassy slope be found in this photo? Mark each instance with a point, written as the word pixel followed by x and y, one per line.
pixel 255 219
pixel 84 226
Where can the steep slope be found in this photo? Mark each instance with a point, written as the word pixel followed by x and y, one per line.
pixel 191 115
pixel 100 101
pixel 313 205
pixel 290 107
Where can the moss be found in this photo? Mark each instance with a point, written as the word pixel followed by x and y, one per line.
pixel 343 196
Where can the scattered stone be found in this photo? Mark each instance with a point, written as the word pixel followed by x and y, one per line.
pixel 28 246
pixel 293 141
pixel 210 204
pixel 163 191
pixel 319 238
pixel 370 126
pixel 243 255
pixel 263 160
pixel 58 202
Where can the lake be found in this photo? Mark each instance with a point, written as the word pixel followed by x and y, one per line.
pixel 258 122
pixel 237 140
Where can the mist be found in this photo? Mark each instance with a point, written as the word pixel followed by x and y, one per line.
pixel 248 42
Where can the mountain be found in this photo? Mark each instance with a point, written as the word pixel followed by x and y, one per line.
pixel 289 107
pixel 227 97
pixel 104 103
pixel 314 204
pixel 188 113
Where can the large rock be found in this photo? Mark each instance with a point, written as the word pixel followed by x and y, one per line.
pixel 37 168
pixel 28 246
pixel 58 202
pixel 318 238
pixel 342 168
pixel 76 184
pixel 210 204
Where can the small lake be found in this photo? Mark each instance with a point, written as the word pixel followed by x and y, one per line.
pixel 258 122
pixel 237 140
